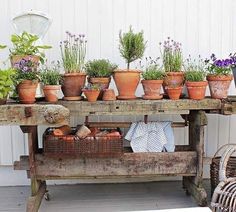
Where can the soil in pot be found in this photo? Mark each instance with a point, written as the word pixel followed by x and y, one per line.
pixel 196 90
pixel 126 82
pixel 219 85
pixel 101 82
pixel 152 89
pixel 91 95
pixel 51 92
pixel 27 91
pixel 173 79
pixel 109 95
pixel 72 84
pixel 174 92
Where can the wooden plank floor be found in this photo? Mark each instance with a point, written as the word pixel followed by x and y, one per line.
pixel 102 197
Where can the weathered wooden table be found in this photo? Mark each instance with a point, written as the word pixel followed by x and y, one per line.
pixel 186 161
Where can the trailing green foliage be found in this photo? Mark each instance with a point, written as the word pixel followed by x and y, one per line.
pixel 2 46
pixel 100 68
pixel 6 82
pixel 50 76
pixel 24 44
pixel 153 72
pixel 132 46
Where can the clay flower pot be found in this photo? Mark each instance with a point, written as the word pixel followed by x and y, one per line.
pixel 51 92
pixel 27 91
pixel 152 89
pixel 219 85
pixel 196 90
pixel 101 82
pixel 174 92
pixel 72 84
pixel 109 95
pixel 126 82
pixel 173 79
pixel 91 95
pixel 3 101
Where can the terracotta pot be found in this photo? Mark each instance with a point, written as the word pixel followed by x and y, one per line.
pixel 72 84
pixel 174 92
pixel 173 79
pixel 219 85
pixel 3 101
pixel 102 82
pixel 109 95
pixel 17 58
pixel 126 82
pixel 27 91
pixel 152 89
pixel 51 92
pixel 91 95
pixel 196 90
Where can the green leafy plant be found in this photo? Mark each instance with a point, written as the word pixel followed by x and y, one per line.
pixel 24 44
pixel 100 68
pixel 2 47
pixel 50 76
pixel 6 82
pixel 153 72
pixel 90 86
pixel 132 46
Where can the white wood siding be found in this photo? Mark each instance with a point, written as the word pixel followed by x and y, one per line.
pixel 203 27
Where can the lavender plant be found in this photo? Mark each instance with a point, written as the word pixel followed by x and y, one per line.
pixel 50 75
pixel 73 52
pixel 171 55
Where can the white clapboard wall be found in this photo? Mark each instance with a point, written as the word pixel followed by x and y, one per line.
pixel 202 26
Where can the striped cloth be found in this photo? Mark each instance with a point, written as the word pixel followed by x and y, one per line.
pixel 151 137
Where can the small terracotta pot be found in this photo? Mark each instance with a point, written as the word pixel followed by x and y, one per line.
pixel 196 90
pixel 51 92
pixel 219 85
pixel 174 92
pixel 109 95
pixel 91 95
pixel 152 89
pixel 72 84
pixel 17 58
pixel 173 79
pixel 3 101
pixel 126 82
pixel 102 82
pixel 27 91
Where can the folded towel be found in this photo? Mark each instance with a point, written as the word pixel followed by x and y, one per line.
pixel 151 137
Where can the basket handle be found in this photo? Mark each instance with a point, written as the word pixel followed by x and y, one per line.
pixel 222 147
pixel 224 161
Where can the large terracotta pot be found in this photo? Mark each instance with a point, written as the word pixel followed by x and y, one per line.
pixel 102 82
pixel 152 89
pixel 17 58
pixel 27 91
pixel 219 85
pixel 173 79
pixel 126 82
pixel 72 84
pixel 196 90
pixel 51 92
pixel 174 92
pixel 91 95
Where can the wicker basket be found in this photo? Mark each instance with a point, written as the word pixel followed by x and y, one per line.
pixel 215 166
pixel 70 145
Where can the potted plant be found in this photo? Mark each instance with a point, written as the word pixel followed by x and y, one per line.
pixel 233 60
pixel 26 80
pixel 195 75
pixel 219 76
pixel 24 47
pixel 152 80
pixel 131 48
pixel 73 51
pixel 91 92
pixel 6 84
pixel 50 77
pixel 99 73
pixel 172 59
pixel 174 91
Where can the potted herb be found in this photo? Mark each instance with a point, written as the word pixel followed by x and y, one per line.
pixel 91 92
pixel 174 91
pixel 6 84
pixel 172 59
pixel 99 73
pixel 50 77
pixel 26 80
pixel 152 80
pixel 73 51
pixel 131 48
pixel 219 76
pixel 195 75
pixel 24 47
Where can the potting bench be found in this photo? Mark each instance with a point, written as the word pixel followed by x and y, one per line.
pixel 186 161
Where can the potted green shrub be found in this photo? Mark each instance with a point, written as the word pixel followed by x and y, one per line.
pixel 91 92
pixel 50 77
pixel 219 76
pixel 73 51
pixel 132 47
pixel 152 81
pixel 195 75
pixel 99 73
